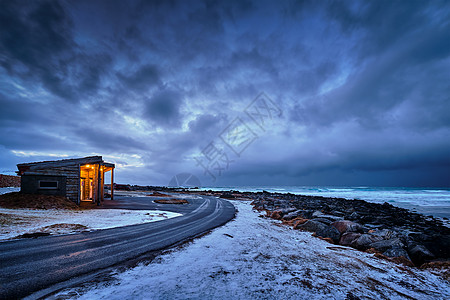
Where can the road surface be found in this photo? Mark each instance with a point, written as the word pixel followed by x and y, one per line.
pixel 30 265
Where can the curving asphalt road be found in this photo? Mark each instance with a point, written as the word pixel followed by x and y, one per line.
pixel 30 265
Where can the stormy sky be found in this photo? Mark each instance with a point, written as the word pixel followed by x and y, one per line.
pixel 336 93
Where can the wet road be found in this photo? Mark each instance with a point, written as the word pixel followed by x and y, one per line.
pixel 29 265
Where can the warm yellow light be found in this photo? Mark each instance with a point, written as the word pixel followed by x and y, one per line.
pixel 87 166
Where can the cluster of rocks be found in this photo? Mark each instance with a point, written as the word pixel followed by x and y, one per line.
pixel 389 231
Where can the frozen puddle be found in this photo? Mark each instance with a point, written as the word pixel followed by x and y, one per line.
pixel 15 222
pixel 252 257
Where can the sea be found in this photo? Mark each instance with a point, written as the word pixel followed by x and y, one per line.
pixel 428 201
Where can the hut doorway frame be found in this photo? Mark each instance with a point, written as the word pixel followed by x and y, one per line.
pixel 92 181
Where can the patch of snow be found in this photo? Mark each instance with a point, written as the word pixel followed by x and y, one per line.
pixel 187 196
pixel 132 193
pixel 258 258
pixel 5 190
pixel 14 222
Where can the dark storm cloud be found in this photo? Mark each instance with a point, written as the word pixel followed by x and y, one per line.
pixel 109 141
pixel 37 44
pixel 31 35
pixel 34 140
pixel 409 48
pixel 207 123
pixel 163 108
pixel 147 76
pixel 361 84
pixel 15 111
pixel 385 21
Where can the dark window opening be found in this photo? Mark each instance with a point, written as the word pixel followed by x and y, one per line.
pixel 46 184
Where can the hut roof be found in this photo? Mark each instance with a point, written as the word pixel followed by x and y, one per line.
pixel 61 163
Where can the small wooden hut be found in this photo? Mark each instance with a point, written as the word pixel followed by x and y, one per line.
pixel 80 179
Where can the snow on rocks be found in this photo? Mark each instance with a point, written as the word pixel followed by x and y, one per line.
pixel 17 222
pixel 259 258
pixel 387 229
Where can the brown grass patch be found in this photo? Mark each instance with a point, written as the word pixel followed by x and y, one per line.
pixel 19 200
pixel 158 194
pixel 440 268
pixel 171 201
pixel 64 226
pixel 299 221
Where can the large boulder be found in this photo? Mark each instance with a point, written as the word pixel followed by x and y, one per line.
pixel 348 237
pixel 278 214
pixel 287 210
pixel 305 214
pixel 420 254
pixel 323 220
pixel 298 222
pixel 396 252
pixel 347 226
pixel 364 241
pixel 384 245
pixel 321 230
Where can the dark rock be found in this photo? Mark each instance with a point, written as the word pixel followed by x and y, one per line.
pixel 313 226
pixel 354 215
pixel 323 220
pixel 292 214
pixel 280 213
pixel 321 229
pixel 386 234
pixel 364 241
pixel 420 254
pixel 227 195
pixel 338 213
pixel 348 237
pixel 439 244
pixel 373 226
pixel 386 222
pixel 384 245
pixel 396 252
pixel 306 214
pixel 347 226
pixel 297 222
pixel 319 214
pixel 288 210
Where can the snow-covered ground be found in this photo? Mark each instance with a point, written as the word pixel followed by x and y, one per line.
pixel 4 190
pixel 14 222
pixel 257 258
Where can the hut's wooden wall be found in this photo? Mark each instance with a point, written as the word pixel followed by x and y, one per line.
pixel 72 174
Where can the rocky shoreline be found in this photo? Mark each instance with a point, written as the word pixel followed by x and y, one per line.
pixel 390 232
